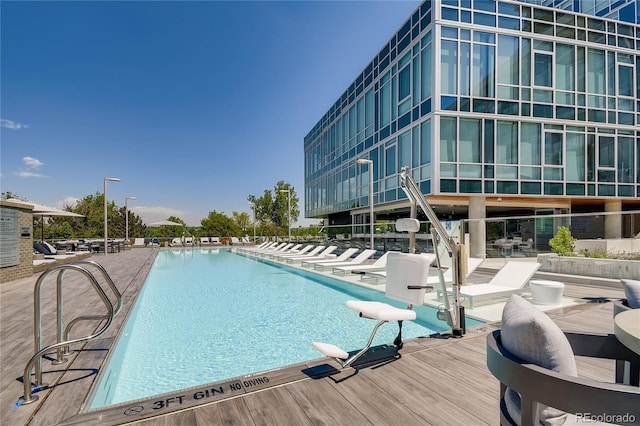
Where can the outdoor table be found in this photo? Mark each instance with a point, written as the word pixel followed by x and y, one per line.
pixel 627 329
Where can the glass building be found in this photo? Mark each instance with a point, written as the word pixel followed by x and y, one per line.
pixel 497 107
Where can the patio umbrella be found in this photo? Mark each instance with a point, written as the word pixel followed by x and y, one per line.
pixel 164 223
pixel 42 210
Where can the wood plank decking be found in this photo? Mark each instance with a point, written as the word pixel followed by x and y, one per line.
pixel 435 381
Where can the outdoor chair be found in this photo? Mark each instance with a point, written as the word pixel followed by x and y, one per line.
pixel 512 278
pixel 534 360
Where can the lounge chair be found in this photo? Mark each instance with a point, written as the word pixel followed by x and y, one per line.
pixel 512 278
pixel 138 242
pixel 344 256
pixel 407 273
pixel 379 265
pixel 361 257
pixel 322 254
pixel 214 240
pixel 280 249
pixel 472 265
pixel 314 253
pixel 176 242
pixel 204 241
pixel 293 253
pixel 44 248
pixel 290 250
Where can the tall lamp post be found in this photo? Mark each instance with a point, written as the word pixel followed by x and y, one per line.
pixel 370 163
pixel 126 220
pixel 107 179
pixel 288 191
pixel 254 221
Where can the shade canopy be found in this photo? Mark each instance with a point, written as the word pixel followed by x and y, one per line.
pixel 164 223
pixel 42 210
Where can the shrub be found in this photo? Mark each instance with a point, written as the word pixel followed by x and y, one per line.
pixel 563 243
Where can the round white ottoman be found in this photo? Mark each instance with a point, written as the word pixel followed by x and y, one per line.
pixel 546 292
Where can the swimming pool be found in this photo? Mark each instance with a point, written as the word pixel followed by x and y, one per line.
pixel 209 315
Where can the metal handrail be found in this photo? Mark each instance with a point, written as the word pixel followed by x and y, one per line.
pixel 64 351
pixel 36 359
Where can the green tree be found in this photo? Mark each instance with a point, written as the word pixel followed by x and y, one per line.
pixel 563 242
pixel 273 206
pixel 219 225
pixel 242 221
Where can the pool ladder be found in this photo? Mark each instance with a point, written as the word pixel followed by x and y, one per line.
pixel 63 333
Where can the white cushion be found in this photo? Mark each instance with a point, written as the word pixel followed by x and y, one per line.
pixel 632 292
pixel 533 337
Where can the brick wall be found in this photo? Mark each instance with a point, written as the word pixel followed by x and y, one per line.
pixel 25 268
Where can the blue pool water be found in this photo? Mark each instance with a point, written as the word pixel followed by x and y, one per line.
pixel 210 315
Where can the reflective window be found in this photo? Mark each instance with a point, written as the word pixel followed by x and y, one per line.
pixel 507 143
pixel 606 153
pixel 508 60
pixel 448 139
pixel 565 67
pixel 553 149
pixel 483 70
pixel 530 143
pixel 470 140
pixel 595 71
pixel 449 65
pixel 542 69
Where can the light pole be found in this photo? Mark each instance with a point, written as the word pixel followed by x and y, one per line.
pixel 370 163
pixel 254 221
pixel 126 220
pixel 288 191
pixel 112 179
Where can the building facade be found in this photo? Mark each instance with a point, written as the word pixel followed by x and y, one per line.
pixel 497 107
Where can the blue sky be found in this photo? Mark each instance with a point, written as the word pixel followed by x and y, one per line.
pixel 194 105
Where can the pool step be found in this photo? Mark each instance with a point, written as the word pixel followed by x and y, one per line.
pixel 330 350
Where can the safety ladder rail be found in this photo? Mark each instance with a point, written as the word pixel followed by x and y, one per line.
pixel 454 317
pixel 65 351
pixel 35 362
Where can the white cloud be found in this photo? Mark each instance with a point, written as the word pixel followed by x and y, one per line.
pixel 29 175
pixel 8 124
pixel 32 163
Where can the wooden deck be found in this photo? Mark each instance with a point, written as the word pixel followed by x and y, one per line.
pixel 433 381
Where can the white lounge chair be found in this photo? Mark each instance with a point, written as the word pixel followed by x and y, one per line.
pixel 314 253
pixel 138 242
pixel 361 257
pixel 204 241
pixel 322 254
pixel 379 265
pixel 290 250
pixel 472 265
pixel 344 256
pixel 407 274
pixel 293 253
pixel 512 278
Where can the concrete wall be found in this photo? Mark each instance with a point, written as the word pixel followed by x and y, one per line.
pixel 611 246
pixel 587 266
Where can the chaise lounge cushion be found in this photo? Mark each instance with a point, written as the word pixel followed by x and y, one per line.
pixel 532 336
pixel 632 292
